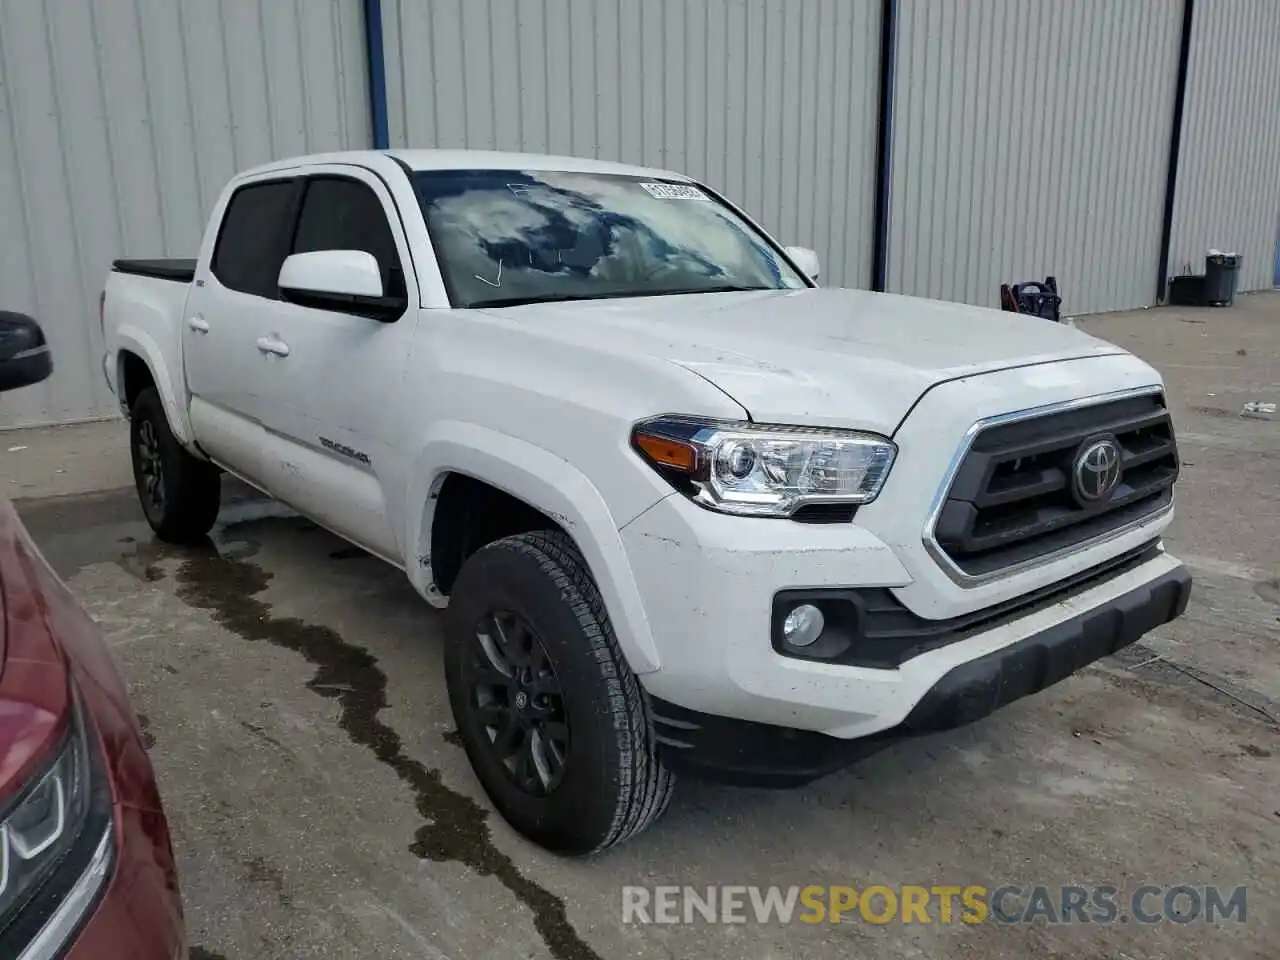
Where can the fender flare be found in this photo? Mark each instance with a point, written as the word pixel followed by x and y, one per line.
pixel 136 340
pixel 546 482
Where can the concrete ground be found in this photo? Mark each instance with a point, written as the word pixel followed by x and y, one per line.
pixel 293 692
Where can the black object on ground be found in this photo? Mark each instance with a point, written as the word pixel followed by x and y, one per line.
pixel 1221 271
pixel 1187 290
pixel 1033 297
pixel 1216 287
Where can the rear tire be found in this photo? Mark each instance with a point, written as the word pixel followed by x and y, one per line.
pixel 180 494
pixel 555 724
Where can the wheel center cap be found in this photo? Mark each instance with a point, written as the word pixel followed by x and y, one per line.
pixel 522 700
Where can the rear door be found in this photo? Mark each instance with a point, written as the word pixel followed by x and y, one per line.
pixel 335 405
pixel 234 290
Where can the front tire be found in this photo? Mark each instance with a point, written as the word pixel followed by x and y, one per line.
pixel 180 494
pixel 555 724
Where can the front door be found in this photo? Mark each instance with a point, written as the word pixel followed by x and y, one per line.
pixel 334 417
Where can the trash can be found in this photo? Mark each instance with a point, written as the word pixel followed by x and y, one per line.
pixel 1221 271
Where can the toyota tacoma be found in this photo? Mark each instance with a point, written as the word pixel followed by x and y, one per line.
pixel 686 509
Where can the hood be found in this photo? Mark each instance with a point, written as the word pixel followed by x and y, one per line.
pixel 841 358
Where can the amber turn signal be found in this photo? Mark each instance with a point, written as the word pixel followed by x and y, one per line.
pixel 666 452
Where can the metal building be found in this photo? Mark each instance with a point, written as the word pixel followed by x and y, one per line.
pixel 931 147
pixel 120 120
pixel 1032 139
pixel 1228 176
pixel 773 102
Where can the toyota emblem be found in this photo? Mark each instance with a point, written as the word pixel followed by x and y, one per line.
pixel 1097 470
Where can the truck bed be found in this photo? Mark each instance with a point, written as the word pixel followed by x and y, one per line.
pixel 172 268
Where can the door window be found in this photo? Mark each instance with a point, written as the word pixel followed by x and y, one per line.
pixel 342 214
pixel 253 237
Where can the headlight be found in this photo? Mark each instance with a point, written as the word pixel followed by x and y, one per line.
pixel 51 837
pixel 762 470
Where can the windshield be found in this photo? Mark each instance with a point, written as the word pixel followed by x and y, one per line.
pixel 505 237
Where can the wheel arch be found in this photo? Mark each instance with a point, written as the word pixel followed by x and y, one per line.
pixel 137 350
pixel 541 482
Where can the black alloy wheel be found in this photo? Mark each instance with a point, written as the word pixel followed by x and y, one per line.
pixel 151 468
pixel 556 725
pixel 179 493
pixel 515 697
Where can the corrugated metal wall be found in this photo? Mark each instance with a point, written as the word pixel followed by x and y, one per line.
pixel 120 120
pixel 1032 138
pixel 772 102
pixel 1228 189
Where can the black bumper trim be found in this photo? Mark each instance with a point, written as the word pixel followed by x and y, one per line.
pixel 760 754
pixel 974 689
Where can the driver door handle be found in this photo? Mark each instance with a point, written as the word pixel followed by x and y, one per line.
pixel 198 323
pixel 272 345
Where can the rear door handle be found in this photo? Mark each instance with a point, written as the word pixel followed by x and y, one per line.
pixel 198 323
pixel 272 345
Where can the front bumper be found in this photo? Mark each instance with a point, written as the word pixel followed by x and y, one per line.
pixel 709 580
pixel 114 895
pixel 136 911
pixel 139 915
pixel 766 755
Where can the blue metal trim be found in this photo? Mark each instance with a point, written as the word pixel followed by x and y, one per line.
pixel 884 145
pixel 377 72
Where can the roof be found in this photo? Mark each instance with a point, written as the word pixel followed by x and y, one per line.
pixel 497 160
pixel 474 160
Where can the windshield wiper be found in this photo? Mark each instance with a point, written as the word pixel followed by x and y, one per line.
pixel 521 301
pixel 723 288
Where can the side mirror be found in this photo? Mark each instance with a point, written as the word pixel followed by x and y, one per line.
pixel 24 353
pixel 806 260
pixel 346 281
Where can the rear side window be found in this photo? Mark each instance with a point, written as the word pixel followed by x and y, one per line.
pixel 252 241
pixel 340 214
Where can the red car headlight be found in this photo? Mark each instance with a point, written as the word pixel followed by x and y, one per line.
pixel 56 848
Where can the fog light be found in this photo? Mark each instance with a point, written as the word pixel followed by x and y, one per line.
pixel 803 625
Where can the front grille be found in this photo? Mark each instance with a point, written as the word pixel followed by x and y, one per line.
pixel 1014 498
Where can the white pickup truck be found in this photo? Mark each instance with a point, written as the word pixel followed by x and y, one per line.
pixel 686 509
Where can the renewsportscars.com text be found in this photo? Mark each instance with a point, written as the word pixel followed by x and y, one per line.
pixel 942 904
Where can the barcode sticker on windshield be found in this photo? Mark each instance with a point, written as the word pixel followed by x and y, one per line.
pixel 674 191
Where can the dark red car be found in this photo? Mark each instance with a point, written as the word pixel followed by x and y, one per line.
pixel 86 866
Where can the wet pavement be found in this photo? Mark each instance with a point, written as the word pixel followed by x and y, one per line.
pixel 293 695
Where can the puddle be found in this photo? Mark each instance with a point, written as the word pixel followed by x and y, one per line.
pixel 228 585
pixel 80 530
